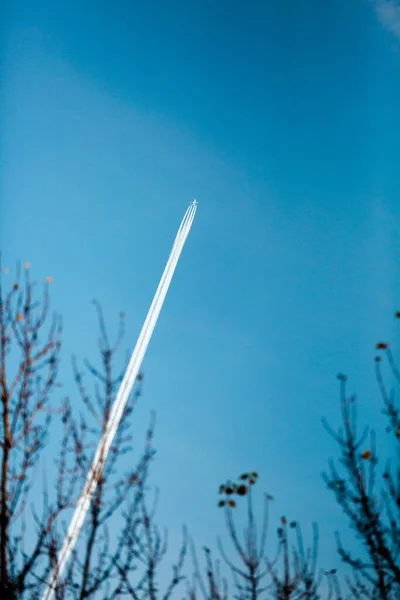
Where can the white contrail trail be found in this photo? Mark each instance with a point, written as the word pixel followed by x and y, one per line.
pixel 119 404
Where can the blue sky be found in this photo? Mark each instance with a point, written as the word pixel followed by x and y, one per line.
pixel 282 120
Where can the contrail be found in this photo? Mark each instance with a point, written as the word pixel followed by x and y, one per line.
pixel 119 404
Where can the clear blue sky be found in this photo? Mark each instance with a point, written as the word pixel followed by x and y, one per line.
pixel 282 119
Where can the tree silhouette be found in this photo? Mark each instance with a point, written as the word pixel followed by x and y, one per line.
pixel 101 565
pixel 216 586
pixel 368 496
pixel 121 548
pixel 291 575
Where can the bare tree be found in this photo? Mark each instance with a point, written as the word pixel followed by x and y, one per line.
pixel 295 579
pixel 251 552
pixel 298 579
pixel 141 541
pixel 369 497
pixel 216 586
pixel 25 422
pixel 102 565
pixel 121 548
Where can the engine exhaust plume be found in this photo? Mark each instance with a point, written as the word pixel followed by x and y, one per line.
pixel 117 409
